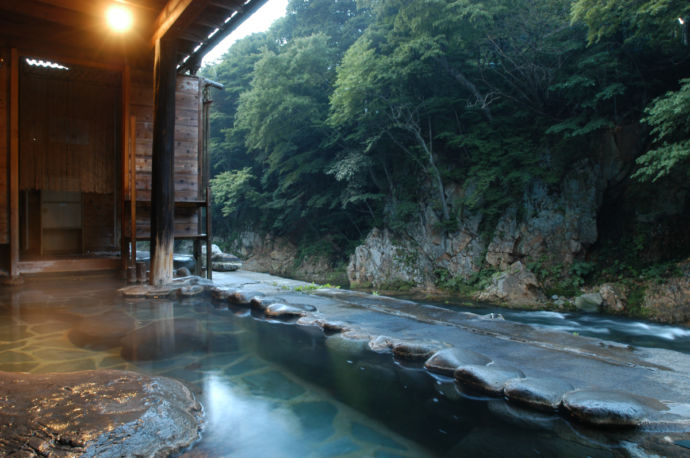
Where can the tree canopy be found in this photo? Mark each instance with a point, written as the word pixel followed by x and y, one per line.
pixel 345 115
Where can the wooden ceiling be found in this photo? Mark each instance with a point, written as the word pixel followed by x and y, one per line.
pixel 77 29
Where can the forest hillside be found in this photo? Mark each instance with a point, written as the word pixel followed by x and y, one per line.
pixel 527 152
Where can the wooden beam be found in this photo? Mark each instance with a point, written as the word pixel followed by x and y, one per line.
pixel 176 14
pixel 94 8
pixel 14 163
pixel 48 13
pixel 162 167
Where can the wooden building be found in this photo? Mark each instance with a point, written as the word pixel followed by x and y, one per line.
pixel 102 133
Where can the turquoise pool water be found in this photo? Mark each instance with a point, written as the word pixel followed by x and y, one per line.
pixel 271 388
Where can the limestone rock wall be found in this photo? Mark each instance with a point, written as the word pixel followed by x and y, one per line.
pixel 554 225
pixel 278 256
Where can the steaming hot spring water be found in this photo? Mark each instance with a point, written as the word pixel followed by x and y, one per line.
pixel 273 389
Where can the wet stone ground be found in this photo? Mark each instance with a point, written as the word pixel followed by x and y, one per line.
pixel 252 406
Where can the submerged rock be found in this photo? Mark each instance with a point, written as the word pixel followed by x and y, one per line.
pixel 487 379
pixel 96 413
pixel 542 394
pixel 611 408
pixel 446 361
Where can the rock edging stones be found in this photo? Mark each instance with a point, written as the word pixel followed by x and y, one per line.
pixel 96 413
pixel 599 408
pixel 611 408
pixel 487 379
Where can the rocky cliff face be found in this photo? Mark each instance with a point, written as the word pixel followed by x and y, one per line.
pixel 556 225
pixel 553 225
pixel 277 256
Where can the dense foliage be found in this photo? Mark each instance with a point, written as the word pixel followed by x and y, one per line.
pixel 346 115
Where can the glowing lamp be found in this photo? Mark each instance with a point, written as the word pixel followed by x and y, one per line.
pixel 119 18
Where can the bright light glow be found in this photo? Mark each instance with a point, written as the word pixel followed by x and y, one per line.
pixel 45 64
pixel 681 20
pixel 119 18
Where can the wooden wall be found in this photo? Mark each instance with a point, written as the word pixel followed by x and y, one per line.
pixel 187 136
pixel 4 146
pixel 69 143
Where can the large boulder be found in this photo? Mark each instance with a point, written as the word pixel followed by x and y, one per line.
pixel 221 262
pixel 95 413
pixel 589 302
pixel 517 285
pixel 669 302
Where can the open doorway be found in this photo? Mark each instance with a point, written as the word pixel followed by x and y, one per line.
pixel 69 155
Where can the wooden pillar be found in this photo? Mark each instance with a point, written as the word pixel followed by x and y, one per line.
pixel 124 163
pixel 14 163
pixel 162 167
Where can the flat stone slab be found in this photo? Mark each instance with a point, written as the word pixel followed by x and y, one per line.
pixel 611 408
pixel 446 361
pixel 539 393
pixel 95 413
pixel 487 379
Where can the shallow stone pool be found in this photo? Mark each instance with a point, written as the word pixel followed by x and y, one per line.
pixel 270 388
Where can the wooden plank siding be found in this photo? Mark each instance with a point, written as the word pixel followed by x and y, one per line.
pixel 187 173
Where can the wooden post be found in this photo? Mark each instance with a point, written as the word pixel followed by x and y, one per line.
pixel 133 189
pixel 162 168
pixel 124 162
pixel 209 234
pixel 14 163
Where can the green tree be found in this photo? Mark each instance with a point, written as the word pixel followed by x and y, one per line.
pixel 669 117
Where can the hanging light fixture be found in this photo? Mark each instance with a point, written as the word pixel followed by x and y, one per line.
pixel 119 18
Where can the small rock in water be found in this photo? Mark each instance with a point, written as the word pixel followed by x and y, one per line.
pixel 243 297
pixel 611 408
pixel 258 303
pixel 283 310
pixel 590 302
pixel 221 294
pixel 488 379
pixel 192 290
pixel 413 351
pixel 381 343
pixel 446 361
pixel 542 394
pixel 182 272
